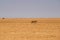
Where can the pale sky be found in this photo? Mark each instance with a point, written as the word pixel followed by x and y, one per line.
pixel 30 8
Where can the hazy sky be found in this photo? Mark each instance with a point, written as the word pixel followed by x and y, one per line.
pixel 30 8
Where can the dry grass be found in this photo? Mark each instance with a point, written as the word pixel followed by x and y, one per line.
pixel 25 29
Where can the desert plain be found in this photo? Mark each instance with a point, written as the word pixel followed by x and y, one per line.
pixel 29 28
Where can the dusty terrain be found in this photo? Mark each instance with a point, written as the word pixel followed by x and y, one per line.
pixel 30 29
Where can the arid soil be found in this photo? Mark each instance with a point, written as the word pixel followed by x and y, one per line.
pixel 29 28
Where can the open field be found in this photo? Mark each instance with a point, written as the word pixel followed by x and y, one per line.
pixel 30 29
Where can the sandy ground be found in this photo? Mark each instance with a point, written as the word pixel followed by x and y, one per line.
pixel 30 29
